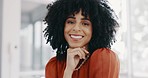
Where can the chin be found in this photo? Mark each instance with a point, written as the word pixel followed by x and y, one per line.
pixel 75 46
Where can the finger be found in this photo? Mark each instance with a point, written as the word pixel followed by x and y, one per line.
pixel 69 50
pixel 75 53
pixel 82 52
pixel 84 47
pixel 85 50
pixel 72 50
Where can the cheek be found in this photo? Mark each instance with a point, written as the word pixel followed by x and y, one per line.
pixel 66 31
pixel 89 31
pixel 89 34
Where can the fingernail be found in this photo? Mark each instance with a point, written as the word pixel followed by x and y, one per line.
pixel 87 51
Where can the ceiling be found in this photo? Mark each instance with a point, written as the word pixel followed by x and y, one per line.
pixel 29 5
pixel 33 10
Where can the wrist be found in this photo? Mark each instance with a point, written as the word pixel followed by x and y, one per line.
pixel 68 73
pixel 68 70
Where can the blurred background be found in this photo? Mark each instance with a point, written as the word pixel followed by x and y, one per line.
pixel 24 52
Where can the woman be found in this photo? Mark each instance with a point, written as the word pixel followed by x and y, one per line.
pixel 82 32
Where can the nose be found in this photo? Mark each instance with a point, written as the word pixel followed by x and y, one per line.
pixel 76 27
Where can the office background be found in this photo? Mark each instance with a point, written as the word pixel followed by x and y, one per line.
pixel 24 52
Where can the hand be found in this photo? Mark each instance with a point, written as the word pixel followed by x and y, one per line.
pixel 73 57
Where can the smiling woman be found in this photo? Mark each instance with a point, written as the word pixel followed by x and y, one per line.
pixel 82 31
pixel 78 30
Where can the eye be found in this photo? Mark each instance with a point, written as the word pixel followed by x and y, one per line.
pixel 85 24
pixel 70 22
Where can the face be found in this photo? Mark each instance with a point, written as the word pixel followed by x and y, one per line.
pixel 78 30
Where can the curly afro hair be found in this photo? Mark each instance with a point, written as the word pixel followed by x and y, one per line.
pixel 101 15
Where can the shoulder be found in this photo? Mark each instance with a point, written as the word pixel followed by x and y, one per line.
pixel 104 57
pixel 51 62
pixel 105 53
pixel 104 63
pixel 50 69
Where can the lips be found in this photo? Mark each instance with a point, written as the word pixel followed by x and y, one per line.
pixel 76 36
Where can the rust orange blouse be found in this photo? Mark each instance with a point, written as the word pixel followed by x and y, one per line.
pixel 103 63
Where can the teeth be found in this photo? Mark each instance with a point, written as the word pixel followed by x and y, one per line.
pixel 76 36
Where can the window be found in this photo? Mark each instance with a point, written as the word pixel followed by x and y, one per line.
pixel 131 45
pixel 35 53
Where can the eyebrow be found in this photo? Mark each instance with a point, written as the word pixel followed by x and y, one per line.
pixel 86 19
pixel 81 18
pixel 71 17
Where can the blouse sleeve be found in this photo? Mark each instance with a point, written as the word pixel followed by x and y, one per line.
pixel 104 63
pixel 50 69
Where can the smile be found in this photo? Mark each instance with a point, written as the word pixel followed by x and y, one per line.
pixel 76 37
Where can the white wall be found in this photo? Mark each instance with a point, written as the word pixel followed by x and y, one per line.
pixel 1 2
pixel 11 21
